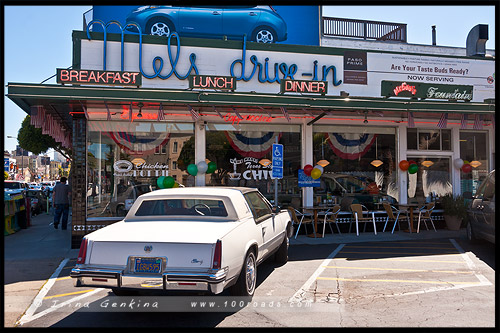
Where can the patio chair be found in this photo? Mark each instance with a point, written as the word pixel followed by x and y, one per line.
pixel 425 214
pixel 299 218
pixel 358 213
pixel 395 214
pixel 330 216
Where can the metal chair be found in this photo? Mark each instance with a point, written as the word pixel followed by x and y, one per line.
pixel 391 210
pixel 358 211
pixel 331 217
pixel 305 218
pixel 425 214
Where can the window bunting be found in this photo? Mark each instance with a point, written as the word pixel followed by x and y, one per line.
pixel 350 146
pixel 411 120
pixel 49 126
pixel 443 122
pixel 478 122
pixel 285 113
pixel 252 144
pixel 463 122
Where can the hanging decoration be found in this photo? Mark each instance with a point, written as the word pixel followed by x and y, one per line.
pixel 138 145
pixel 307 169
pixel 202 167
pixel 252 144
pixel 159 181
pixel 413 168
pixel 466 168
pixel 192 169
pixel 458 163
pixel 212 166
pixel 168 182
pixel 376 162
pixel 350 146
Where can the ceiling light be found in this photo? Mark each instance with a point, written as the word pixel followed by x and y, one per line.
pixel 376 163
pixel 475 164
pixel 140 105
pixel 323 163
pixel 427 163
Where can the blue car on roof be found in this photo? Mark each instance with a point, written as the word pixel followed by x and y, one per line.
pixel 260 24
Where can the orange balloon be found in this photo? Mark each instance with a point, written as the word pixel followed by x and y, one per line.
pixel 404 165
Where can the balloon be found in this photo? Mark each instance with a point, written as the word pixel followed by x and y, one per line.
pixel 404 164
pixel 466 162
pixel 168 182
pixel 192 169
pixel 307 169
pixel 412 162
pixel 159 181
pixel 319 167
pixel 315 173
pixel 458 163
pixel 202 167
pixel 212 166
pixel 413 168
pixel 466 168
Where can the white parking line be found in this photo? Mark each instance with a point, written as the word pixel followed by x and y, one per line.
pixel 470 264
pixel 37 302
pixel 299 295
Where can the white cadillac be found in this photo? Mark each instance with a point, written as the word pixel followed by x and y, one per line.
pixel 192 238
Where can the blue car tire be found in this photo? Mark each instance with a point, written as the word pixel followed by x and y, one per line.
pixel 160 27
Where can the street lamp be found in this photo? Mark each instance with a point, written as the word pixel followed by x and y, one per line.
pixel 22 156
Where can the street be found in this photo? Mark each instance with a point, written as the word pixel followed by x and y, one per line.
pixel 438 282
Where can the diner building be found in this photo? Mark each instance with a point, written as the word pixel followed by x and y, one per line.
pixel 138 109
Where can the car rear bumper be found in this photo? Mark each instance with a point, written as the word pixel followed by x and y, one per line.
pixel 213 281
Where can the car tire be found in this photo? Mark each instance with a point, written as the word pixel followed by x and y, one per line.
pixel 281 256
pixel 160 27
pixel 247 280
pixel 264 35
pixel 471 237
pixel 124 292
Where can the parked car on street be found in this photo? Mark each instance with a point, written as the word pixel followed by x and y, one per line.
pixel 124 201
pixel 192 238
pixel 14 186
pixel 261 24
pixel 481 211
pixel 38 201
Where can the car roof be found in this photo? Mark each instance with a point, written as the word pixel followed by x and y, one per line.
pixel 202 190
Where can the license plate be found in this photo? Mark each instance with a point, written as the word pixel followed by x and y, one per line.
pixel 147 265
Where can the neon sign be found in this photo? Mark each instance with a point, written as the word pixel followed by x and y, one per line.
pixel 98 77
pixel 302 86
pixel 263 70
pixel 229 118
pixel 405 87
pixel 212 82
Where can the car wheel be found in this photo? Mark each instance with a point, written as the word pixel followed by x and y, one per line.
pixel 245 285
pixel 264 35
pixel 160 27
pixel 470 233
pixel 124 292
pixel 281 256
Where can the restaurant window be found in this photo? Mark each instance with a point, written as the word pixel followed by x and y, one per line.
pixel 123 162
pixel 359 165
pixel 431 180
pixel 243 157
pixel 429 139
pixel 473 148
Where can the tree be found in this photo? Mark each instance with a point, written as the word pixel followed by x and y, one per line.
pixel 31 139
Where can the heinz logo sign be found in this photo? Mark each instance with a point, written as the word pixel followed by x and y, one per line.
pixel 304 87
pixel 85 76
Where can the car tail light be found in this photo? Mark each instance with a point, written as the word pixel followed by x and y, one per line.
pixel 217 255
pixel 83 252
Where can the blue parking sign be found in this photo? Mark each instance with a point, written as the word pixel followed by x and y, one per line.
pixel 6 164
pixel 277 160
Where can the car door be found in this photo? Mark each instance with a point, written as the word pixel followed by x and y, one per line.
pixel 200 21
pixel 240 20
pixel 482 209
pixel 264 220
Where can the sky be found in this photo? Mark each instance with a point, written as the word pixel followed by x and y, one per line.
pixel 37 39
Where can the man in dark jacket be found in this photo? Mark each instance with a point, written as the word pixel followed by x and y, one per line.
pixel 60 201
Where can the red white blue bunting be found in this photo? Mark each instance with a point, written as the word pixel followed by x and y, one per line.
pixel 139 145
pixel 350 146
pixel 252 144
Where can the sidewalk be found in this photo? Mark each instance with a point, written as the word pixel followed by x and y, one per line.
pixel 30 258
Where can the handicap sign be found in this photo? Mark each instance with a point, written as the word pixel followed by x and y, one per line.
pixel 6 164
pixel 307 181
pixel 277 160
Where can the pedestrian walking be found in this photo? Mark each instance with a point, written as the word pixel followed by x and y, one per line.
pixel 60 201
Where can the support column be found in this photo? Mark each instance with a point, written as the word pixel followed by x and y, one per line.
pixel 78 182
pixel 455 173
pixel 199 148
pixel 402 146
pixel 307 158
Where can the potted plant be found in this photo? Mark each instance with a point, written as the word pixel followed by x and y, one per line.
pixel 454 211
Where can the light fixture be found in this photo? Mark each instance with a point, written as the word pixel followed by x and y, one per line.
pixel 140 105
pixel 376 162
pixel 427 163
pixel 323 163
pixel 366 117
pixel 344 94
pixel 475 164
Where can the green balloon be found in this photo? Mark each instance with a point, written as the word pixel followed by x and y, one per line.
pixel 160 181
pixel 212 166
pixel 412 168
pixel 168 182
pixel 192 169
